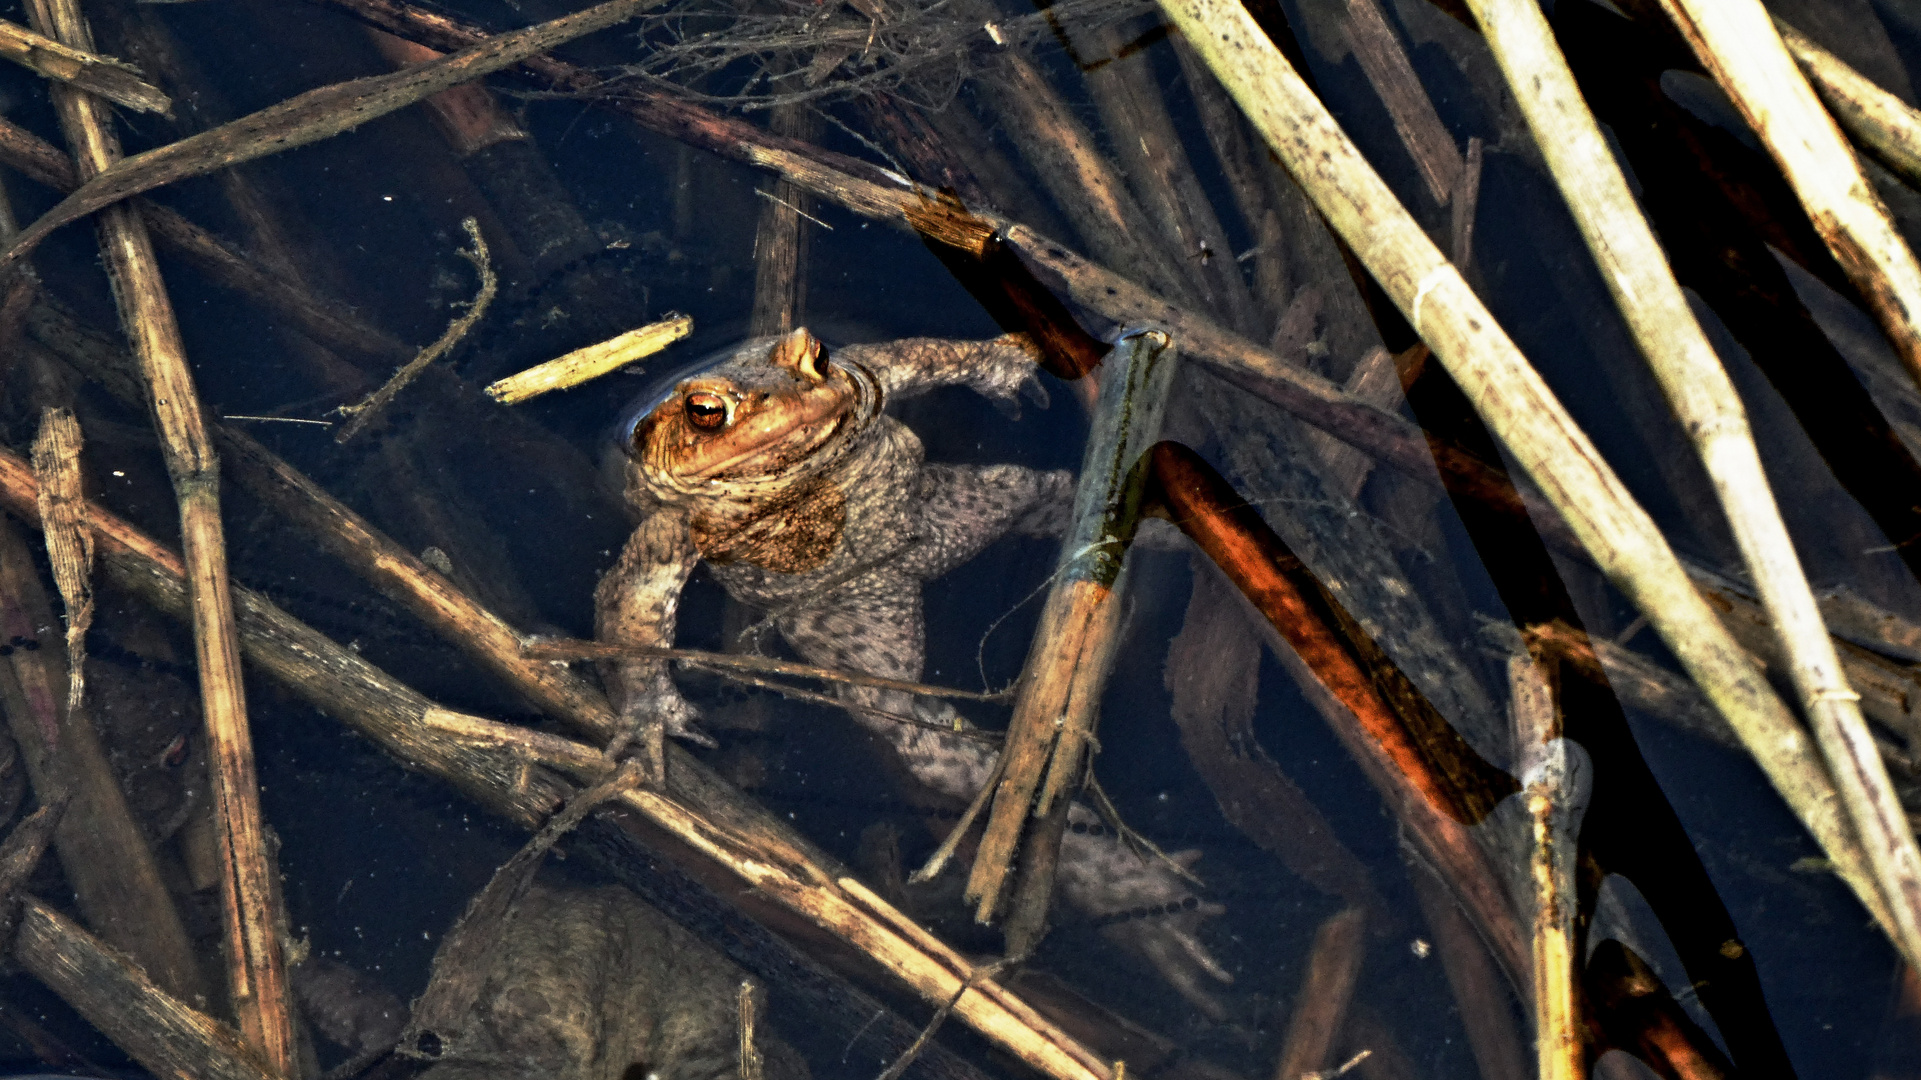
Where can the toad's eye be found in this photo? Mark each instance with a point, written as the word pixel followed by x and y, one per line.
pixel 706 411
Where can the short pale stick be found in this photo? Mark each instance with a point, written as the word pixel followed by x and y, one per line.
pixel 591 362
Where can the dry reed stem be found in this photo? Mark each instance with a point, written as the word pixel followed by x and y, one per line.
pixel 1704 399
pixel 592 362
pixel 1072 651
pixel 314 115
pixel 1881 123
pixel 256 970
pixel 364 413
pixel 752 1064
pixel 1327 988
pixel 1522 412
pixel 1736 42
pixel 747 842
pixel 1554 790
pixel 63 509
pixel 169 1038
pixel 117 82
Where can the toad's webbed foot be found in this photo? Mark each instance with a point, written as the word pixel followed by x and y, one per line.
pixel 646 721
pixel 1171 944
pixel 1147 905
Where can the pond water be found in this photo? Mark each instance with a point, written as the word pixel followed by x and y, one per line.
pixel 597 223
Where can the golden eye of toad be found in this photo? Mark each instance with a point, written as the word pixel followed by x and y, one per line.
pixel 706 411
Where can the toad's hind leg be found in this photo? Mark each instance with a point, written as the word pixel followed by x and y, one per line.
pixel 874 625
pixel 963 508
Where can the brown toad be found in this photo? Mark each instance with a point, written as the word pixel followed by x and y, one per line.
pixel 778 466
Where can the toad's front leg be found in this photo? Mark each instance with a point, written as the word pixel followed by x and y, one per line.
pixel 636 604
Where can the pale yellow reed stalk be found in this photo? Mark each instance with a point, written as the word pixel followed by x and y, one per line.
pixel 1520 410
pixel 1704 399
pixel 1883 124
pixel 1736 42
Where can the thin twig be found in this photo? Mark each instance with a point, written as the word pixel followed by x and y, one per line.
pixel 713 661
pixel 363 413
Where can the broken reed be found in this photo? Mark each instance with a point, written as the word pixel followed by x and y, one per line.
pixel 1058 706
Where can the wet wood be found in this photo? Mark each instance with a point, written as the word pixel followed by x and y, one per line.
pixel 366 412
pixel 1321 1003
pixel 117 82
pixel 467 115
pixel 1637 1014
pixel 1247 181
pixel 1376 381
pixel 1440 306
pixel 1212 673
pixel 1085 186
pixel 103 851
pixel 169 1038
pixel 605 650
pixel 1430 779
pixel 1154 159
pixel 1067 665
pixel 256 971
pixel 781 239
pixel 25 846
pixel 1704 400
pixel 1387 67
pixel 314 115
pixel 1737 43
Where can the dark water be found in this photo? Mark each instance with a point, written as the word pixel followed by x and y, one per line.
pixel 378 862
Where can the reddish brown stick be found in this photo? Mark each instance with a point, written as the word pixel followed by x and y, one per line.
pixel 1426 794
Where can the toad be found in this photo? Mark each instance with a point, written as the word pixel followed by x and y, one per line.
pixel 778 465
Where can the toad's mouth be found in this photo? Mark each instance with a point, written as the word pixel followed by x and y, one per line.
pixel 777 439
pixel 780 446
